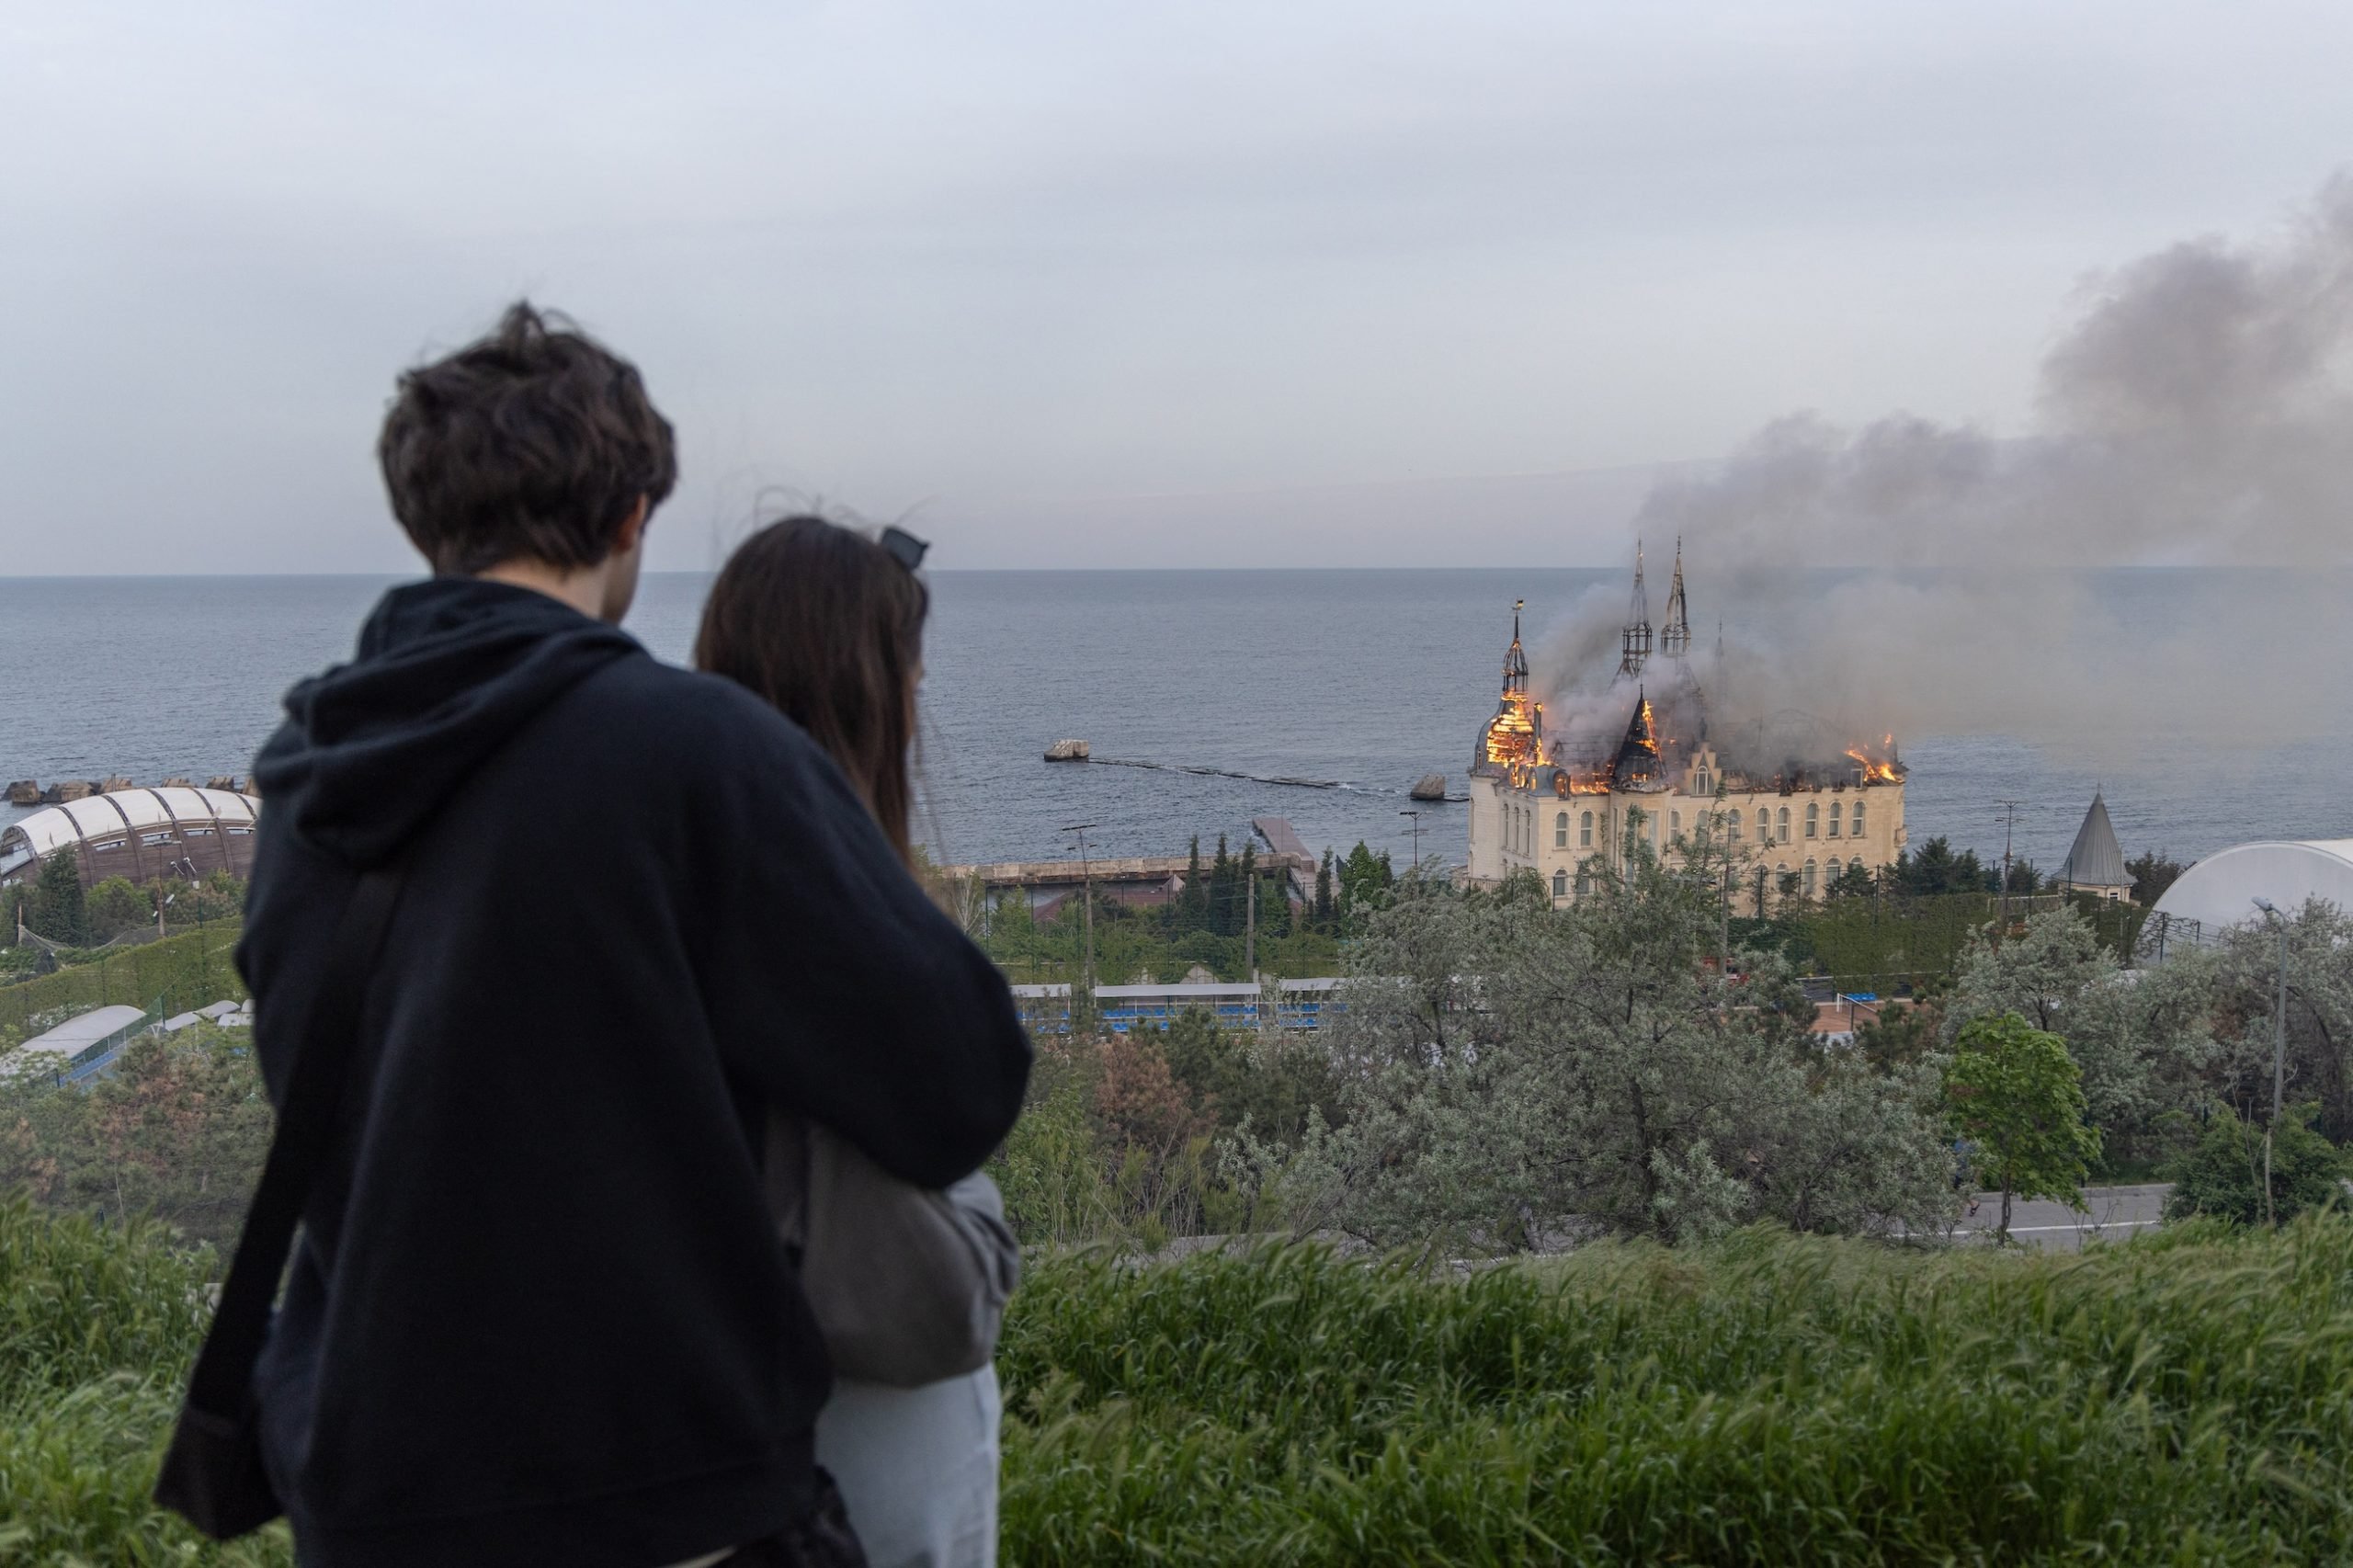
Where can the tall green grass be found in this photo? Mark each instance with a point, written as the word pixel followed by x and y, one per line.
pixel 2184 1399
pixel 98 1327
pixel 1771 1399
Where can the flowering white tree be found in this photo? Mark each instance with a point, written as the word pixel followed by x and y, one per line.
pixel 1509 1069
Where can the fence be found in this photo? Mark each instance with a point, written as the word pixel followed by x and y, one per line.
pixel 187 971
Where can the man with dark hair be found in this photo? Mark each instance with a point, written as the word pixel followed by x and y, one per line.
pixel 539 1313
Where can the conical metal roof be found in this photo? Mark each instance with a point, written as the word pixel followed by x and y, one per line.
pixel 2096 860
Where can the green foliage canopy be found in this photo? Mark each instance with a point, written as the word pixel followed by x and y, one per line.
pixel 2018 1096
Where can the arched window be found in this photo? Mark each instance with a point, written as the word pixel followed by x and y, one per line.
pixel 1785 825
pixel 1704 788
pixel 1584 883
pixel 1561 831
pixel 1812 819
pixel 1559 884
pixel 1857 823
pixel 1808 882
pixel 1731 825
pixel 1585 831
pixel 1834 819
pixel 1675 825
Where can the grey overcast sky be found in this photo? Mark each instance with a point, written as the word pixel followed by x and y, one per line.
pixel 1287 283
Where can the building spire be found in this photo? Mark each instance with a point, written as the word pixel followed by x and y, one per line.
pixel 1513 739
pixel 1676 641
pixel 1635 641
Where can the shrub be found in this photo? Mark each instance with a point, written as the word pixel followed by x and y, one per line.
pixel 97 1325
pixel 2222 1176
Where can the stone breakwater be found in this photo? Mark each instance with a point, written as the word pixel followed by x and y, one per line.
pixel 30 793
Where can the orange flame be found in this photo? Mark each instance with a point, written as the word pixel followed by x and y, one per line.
pixel 1874 770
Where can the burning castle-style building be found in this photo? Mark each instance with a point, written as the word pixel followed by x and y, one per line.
pixel 1638 761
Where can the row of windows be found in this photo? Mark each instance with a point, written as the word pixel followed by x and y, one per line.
pixel 1811 880
pixel 109 846
pixel 1770 828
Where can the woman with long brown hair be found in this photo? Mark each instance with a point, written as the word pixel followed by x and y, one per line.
pixel 826 625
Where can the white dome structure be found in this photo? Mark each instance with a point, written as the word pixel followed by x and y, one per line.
pixel 2219 890
pixel 171 831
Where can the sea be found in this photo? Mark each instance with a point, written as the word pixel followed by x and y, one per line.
pixel 1356 682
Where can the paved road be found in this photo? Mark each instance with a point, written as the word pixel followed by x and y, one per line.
pixel 2108 1213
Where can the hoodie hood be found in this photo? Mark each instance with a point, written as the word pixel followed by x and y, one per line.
pixel 446 671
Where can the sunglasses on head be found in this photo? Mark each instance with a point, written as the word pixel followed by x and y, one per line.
pixel 905 547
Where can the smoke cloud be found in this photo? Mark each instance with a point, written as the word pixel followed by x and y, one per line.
pixel 2193 413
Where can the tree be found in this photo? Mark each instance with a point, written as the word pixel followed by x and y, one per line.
pixel 1326 916
pixel 2222 1176
pixel 1365 883
pixel 1855 881
pixel 2025 880
pixel 2245 977
pixel 58 911
pixel 1190 910
pixel 2141 1044
pixel 1224 905
pixel 1275 916
pixel 115 906
pixel 1507 1070
pixel 177 1129
pixel 1934 868
pixel 2018 1096
pixel 2152 874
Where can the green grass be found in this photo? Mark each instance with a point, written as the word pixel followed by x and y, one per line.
pixel 2184 1399
pixel 97 1325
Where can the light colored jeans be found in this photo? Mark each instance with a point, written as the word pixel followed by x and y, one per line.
pixel 917 1468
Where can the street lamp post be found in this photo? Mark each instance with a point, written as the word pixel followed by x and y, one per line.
pixel 1417 835
pixel 1085 912
pixel 2279 1049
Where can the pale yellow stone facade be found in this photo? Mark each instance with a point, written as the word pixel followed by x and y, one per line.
pixel 1814 832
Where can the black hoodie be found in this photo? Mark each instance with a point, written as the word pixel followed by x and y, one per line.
pixel 538 1314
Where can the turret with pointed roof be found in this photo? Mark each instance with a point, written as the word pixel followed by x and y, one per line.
pixel 1638 761
pixel 2096 864
pixel 1676 641
pixel 1635 640
pixel 1514 738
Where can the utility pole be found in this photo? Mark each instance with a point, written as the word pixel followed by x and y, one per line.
pixel 2279 1049
pixel 1086 911
pixel 1417 835
pixel 1250 925
pixel 2010 824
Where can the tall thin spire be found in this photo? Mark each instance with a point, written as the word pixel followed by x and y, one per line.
pixel 1676 641
pixel 1514 738
pixel 1635 641
pixel 1514 657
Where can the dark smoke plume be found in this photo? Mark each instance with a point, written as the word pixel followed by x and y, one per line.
pixel 2194 413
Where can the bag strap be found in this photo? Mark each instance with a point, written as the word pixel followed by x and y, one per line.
pixel 222 1384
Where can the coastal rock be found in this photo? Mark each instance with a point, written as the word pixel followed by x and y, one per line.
pixel 66 789
pixel 220 781
pixel 24 792
pixel 1432 786
pixel 174 782
pixel 115 783
pixel 1067 751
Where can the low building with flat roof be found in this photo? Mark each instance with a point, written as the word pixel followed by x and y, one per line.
pixel 77 1047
